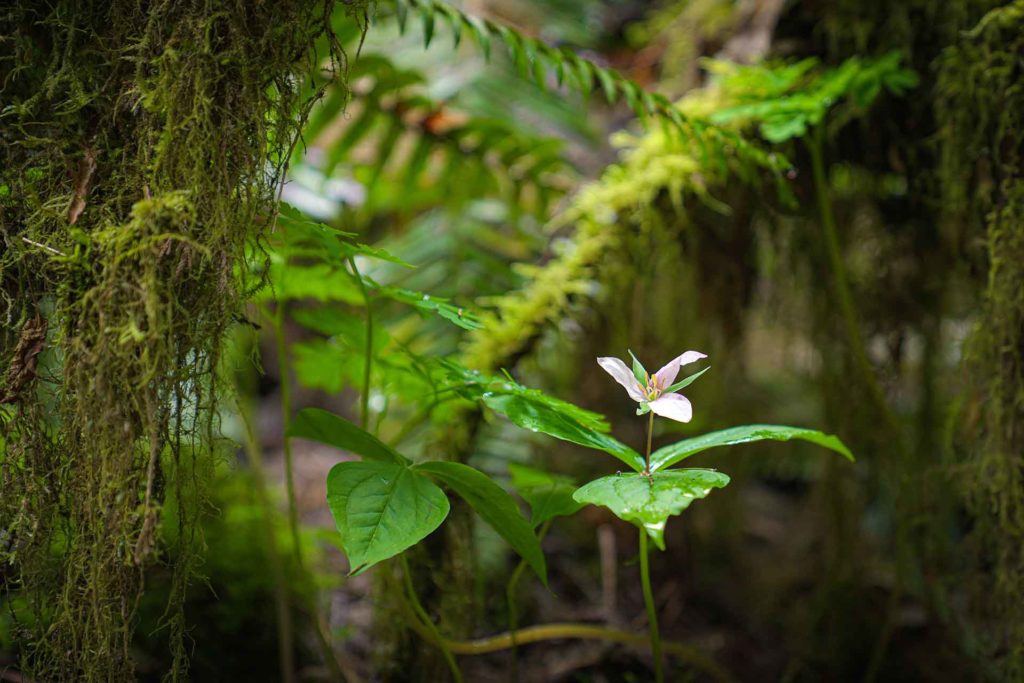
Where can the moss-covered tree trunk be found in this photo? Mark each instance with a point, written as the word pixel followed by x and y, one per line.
pixel 141 143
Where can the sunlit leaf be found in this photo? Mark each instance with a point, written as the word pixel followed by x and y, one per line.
pixel 649 501
pixel 538 417
pixel 381 509
pixel 670 455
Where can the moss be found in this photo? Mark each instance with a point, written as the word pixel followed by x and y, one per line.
pixel 981 105
pixel 139 145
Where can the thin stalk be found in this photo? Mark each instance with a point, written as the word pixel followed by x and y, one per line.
pixel 285 638
pixel 511 591
pixel 652 613
pixel 417 606
pixel 647 455
pixel 277 323
pixel 364 406
pixel 286 418
pixel 645 575
pixel 847 309
pixel 840 282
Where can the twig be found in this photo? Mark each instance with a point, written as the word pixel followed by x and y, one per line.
pixel 43 246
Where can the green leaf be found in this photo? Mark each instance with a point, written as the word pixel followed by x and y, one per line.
pixel 670 455
pixel 638 370
pixel 538 417
pixel 426 303
pixel 686 381
pixel 649 501
pixel 381 509
pixel 333 430
pixel 321 281
pixel 494 505
pixel 548 495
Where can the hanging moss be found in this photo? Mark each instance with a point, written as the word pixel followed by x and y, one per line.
pixel 981 104
pixel 141 144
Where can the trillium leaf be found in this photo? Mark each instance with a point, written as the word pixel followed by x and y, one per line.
pixel 494 505
pixel 381 509
pixel 649 501
pixel 538 417
pixel 334 430
pixel 670 455
pixel 548 495
pixel 685 382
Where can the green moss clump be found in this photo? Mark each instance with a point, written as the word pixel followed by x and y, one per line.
pixel 141 145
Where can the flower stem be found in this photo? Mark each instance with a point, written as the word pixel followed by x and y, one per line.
pixel 652 613
pixel 431 627
pixel 647 455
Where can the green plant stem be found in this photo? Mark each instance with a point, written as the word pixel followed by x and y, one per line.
pixel 652 612
pixel 364 407
pixel 840 281
pixel 286 418
pixel 285 639
pixel 513 603
pixel 647 455
pixel 417 606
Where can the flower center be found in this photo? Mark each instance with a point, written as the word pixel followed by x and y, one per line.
pixel 653 390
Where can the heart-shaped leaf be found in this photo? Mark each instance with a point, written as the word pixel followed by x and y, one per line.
pixel 538 417
pixel 649 501
pixel 670 455
pixel 494 505
pixel 548 495
pixel 333 430
pixel 382 508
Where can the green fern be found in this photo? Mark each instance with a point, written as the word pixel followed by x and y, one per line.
pixel 486 156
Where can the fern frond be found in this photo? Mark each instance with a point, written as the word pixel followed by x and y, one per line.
pixel 538 61
pixel 479 155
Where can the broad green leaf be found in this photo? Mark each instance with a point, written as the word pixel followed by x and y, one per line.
pixel 548 495
pixel 333 430
pixel 494 505
pixel 686 381
pixel 670 455
pixel 538 417
pixel 382 508
pixel 649 501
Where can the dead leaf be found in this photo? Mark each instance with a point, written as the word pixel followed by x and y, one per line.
pixel 83 176
pixel 22 370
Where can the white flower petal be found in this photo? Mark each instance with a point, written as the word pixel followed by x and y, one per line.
pixel 667 375
pixel 673 406
pixel 624 376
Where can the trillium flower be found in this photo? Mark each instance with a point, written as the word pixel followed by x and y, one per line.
pixel 655 393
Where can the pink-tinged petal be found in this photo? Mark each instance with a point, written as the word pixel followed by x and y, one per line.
pixel 624 376
pixel 667 374
pixel 673 406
